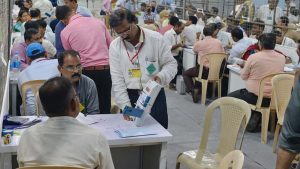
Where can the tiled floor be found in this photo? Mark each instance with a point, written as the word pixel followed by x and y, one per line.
pixel 186 124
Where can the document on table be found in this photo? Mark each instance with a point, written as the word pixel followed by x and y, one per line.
pixel 88 120
pixel 134 132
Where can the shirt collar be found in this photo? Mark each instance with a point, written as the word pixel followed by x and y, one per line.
pixel 38 60
pixel 173 31
pixel 75 17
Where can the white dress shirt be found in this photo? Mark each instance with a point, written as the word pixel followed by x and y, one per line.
pixel 154 54
pixel 238 49
pixel 265 14
pixel 39 69
pixel 45 6
pixel 190 34
pixel 64 141
pixel 171 38
pixel 289 42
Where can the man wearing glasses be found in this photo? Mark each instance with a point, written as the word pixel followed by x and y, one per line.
pixel 70 68
pixel 135 57
pixel 91 39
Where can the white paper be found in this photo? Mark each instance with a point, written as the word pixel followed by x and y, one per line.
pixel 88 120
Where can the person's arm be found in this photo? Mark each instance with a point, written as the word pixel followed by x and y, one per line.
pixel 234 54
pixel 50 49
pixel 58 44
pixel 289 144
pixel 167 63
pixel 108 37
pixel 117 76
pixel 92 105
pixel 245 72
pixel 105 158
pixel 65 43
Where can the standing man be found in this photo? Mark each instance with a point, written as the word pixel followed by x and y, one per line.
pixel 137 56
pixel 89 37
pixel 71 68
pixel 289 145
pixel 174 41
pixel 266 14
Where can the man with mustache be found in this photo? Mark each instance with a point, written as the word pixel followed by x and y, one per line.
pixel 71 68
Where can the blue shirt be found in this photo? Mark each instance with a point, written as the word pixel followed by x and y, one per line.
pixel 58 45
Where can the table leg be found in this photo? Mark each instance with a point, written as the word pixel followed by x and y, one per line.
pixel 163 156
pixel 5 161
pixel 14 99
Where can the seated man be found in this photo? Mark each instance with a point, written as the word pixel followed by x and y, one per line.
pixel 47 44
pixel 191 32
pixel 62 140
pixel 70 67
pixel 287 31
pixel 259 65
pixel 257 29
pixel 30 35
pixel 283 40
pixel 202 47
pixel 40 68
pixel 240 47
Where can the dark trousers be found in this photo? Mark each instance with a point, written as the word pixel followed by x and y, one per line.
pixel 251 98
pixel 188 76
pixel 103 83
pixel 159 109
pixel 179 67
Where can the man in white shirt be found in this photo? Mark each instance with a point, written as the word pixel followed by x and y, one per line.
pixel 200 16
pixel 173 39
pixel 240 46
pixel 284 40
pixel 266 14
pixel 62 139
pixel 45 6
pixel 137 56
pixel 40 68
pixel 191 32
pixel 214 16
pixel 78 9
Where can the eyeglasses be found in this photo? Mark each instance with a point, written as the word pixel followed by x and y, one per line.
pixel 124 33
pixel 73 68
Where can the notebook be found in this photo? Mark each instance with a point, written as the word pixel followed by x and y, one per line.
pixel 134 132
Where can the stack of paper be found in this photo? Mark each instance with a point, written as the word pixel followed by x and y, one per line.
pixel 134 132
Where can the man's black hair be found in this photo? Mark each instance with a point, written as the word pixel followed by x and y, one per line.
pixel 42 23
pixel 267 41
pixel 209 29
pixel 237 33
pixel 173 20
pixel 31 25
pixel 193 19
pixel 56 95
pixel 66 53
pixel 62 12
pixel 29 33
pixel 119 15
pixel 35 12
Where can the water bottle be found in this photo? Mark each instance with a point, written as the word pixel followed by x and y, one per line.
pixel 15 66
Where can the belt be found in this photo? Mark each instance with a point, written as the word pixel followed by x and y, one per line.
pixel 100 67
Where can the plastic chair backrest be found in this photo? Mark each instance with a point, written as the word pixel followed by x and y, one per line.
pixel 34 86
pixel 215 63
pixel 282 88
pixel 51 167
pixel 233 160
pixel 235 115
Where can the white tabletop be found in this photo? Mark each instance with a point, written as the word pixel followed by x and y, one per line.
pixel 107 124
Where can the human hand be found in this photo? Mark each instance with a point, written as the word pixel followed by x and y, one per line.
pixel 157 79
pixel 128 118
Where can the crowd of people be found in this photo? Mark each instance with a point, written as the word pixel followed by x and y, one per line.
pixel 84 60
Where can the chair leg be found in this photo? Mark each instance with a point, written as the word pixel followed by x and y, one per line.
pixel 204 91
pixel 264 125
pixel 213 89
pixel 219 88
pixel 276 136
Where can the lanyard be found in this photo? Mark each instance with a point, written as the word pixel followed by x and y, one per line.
pixel 137 53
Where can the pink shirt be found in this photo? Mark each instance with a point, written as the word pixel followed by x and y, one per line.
pixel 21 49
pixel 206 46
pixel 89 37
pixel 163 30
pixel 260 65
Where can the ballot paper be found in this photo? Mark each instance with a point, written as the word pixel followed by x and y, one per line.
pixel 88 120
pixel 134 132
